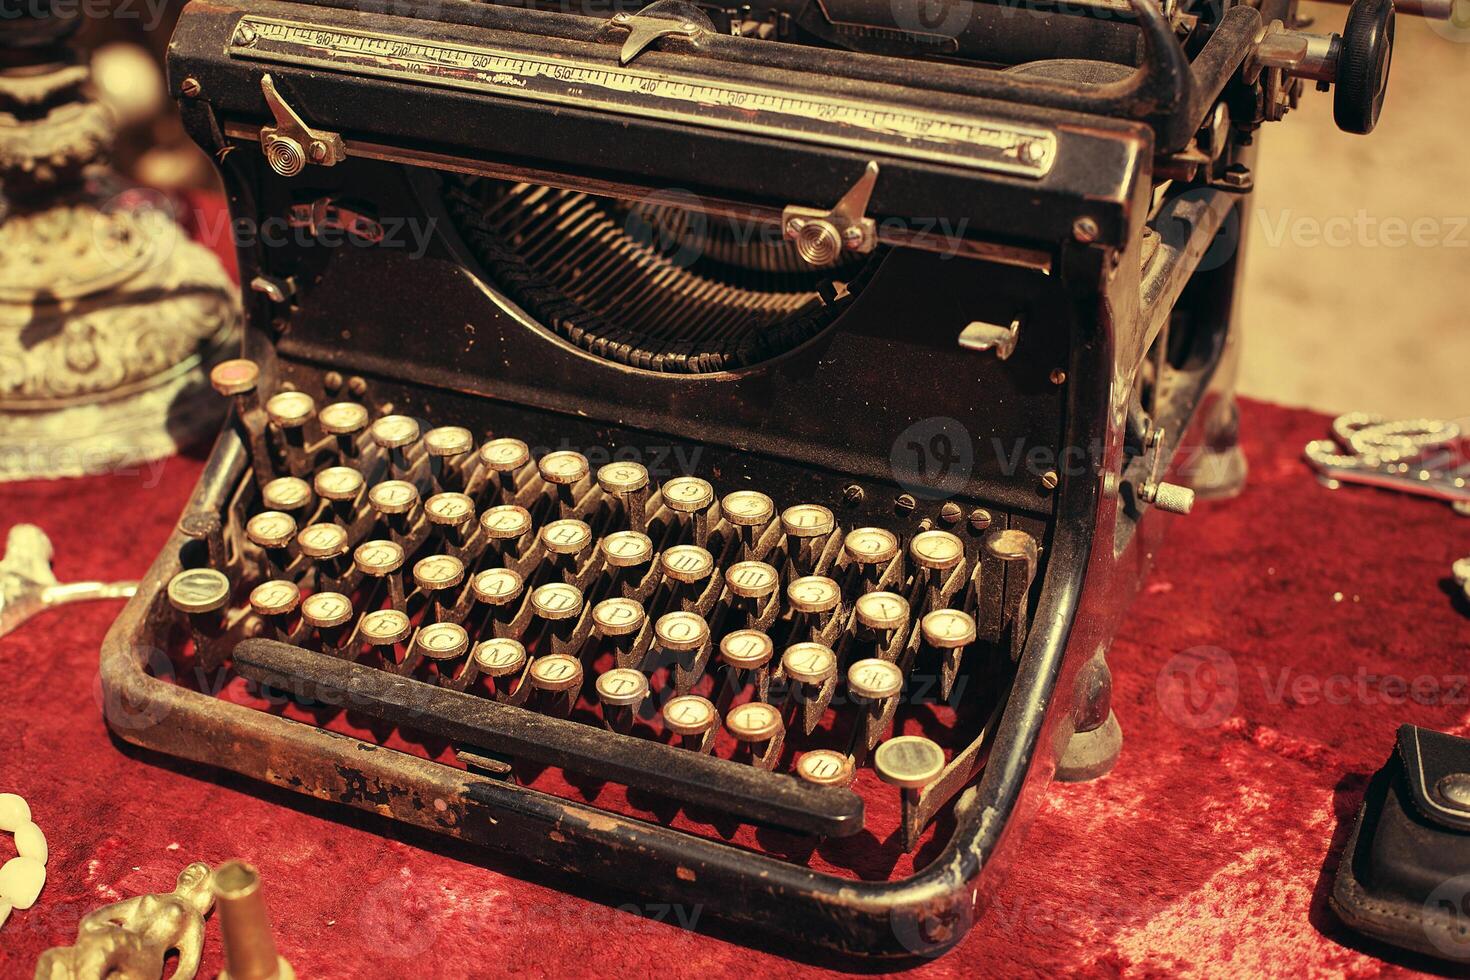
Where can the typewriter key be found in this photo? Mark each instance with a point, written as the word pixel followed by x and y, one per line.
pixel 759 729
pixel 206 526
pixel 825 767
pixel 327 613
pixel 274 601
pixel 620 622
pixel 621 691
pixel 505 528
pixel 504 458
pixel 559 604
pixel 875 684
pixel 291 411
pixel 238 379
pixel 272 531
pixel 870 546
pixel 449 444
pixel 693 719
pixel 235 377
pixel 559 677
pixel 887 615
pixel 628 483
pixel 395 434
pixel 442 641
pixel 383 560
pixel 343 421
pixel 395 500
pixel 497 586
pixel 686 636
pixel 286 493
pixel 201 595
pixel 937 553
pixel 948 631
pixel 747 654
pixel 691 496
pixel 564 469
pixel 324 544
pixel 566 537
pixel 909 762
pixel 627 549
pixel 752 579
pixel 806 527
pixel 437 576
pixel 384 628
pixel 688 568
pixel 748 511
pixel 502 661
pixel 812 667
pixel 342 485
pixel 814 594
pixel 453 514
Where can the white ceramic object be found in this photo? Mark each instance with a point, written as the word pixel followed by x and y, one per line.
pixel 14 813
pixel 21 880
pixel 31 843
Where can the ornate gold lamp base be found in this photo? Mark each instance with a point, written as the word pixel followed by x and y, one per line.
pixel 109 315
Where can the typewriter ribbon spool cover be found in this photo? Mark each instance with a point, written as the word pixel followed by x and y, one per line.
pixel 689 412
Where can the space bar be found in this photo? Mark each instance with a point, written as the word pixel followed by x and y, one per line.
pixel 754 795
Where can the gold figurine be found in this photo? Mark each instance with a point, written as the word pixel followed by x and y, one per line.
pixel 129 940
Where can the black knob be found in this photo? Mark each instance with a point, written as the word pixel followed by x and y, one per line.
pixel 1362 65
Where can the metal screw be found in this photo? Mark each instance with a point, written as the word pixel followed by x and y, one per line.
pixel 852 495
pixel 950 512
pixel 1085 230
pixel 1049 480
pixel 246 35
pixel 357 386
pixel 191 87
pixel 1058 376
pixel 332 380
pixel 620 18
pixel 980 519
pixel 905 503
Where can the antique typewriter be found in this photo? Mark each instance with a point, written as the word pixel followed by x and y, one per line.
pixel 707 450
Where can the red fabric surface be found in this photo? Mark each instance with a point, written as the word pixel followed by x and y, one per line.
pixel 1207 850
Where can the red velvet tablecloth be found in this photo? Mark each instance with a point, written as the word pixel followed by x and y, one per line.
pixel 1281 639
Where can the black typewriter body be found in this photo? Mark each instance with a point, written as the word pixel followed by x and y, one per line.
pixel 1019 341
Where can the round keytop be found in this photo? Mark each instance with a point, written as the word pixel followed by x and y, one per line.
pixel 277 597
pixel 395 431
pixel 687 563
pixel 557 600
pixel 505 455
pixel 754 721
pixel 384 627
pixel 271 529
pixel 556 672
pixel 807 521
pixel 443 641
pixel 393 496
pixel 566 537
pixel 343 418
pixel 937 550
pixel 752 579
pixel 497 586
pixel 290 409
pixel 747 649
pixel 874 679
pixel 622 686
pixel 325 610
pixel 870 545
pixel 618 616
pixel 500 657
pixel 909 761
pixel 378 558
pixel 882 610
pixel 813 594
pixel 627 549
pixel 286 493
pixel 689 714
pixel 322 540
pixel 448 440
pixel 825 767
pixel 563 468
pixel 234 377
pixel 338 483
pixel 621 476
pixel 198 590
pixel 688 494
pixel 449 509
pixel 438 572
pixel 506 522
pixel 809 663
pixel 947 629
pixel 681 631
pixel 748 508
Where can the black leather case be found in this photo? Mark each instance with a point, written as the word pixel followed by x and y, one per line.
pixel 1405 874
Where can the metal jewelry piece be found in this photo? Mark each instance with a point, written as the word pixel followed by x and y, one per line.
pixel 28 587
pixel 1418 456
